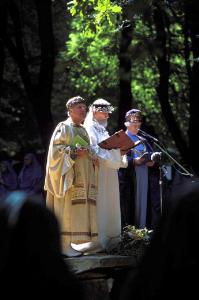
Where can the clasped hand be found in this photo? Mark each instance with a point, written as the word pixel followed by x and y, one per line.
pixel 148 158
pixel 95 161
pixel 151 156
pixel 81 152
pixel 156 156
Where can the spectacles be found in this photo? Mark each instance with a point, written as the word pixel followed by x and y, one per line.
pixel 135 121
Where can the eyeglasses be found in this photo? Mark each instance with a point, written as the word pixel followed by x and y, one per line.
pixel 135 121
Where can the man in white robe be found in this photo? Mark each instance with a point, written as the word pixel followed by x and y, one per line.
pixel 71 179
pixel 108 199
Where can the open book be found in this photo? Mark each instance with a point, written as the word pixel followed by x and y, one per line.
pixel 119 140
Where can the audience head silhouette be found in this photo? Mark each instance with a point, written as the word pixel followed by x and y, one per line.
pixel 30 174
pixel 171 262
pixel 30 179
pixel 30 252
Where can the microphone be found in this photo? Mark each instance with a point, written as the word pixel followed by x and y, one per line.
pixel 148 135
pixel 156 156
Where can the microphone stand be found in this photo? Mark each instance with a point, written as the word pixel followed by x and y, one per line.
pixel 155 141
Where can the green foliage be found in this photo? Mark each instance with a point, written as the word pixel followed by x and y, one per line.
pixel 137 234
pixel 92 52
pixel 89 64
pixel 91 59
pixel 145 52
pixel 145 75
pixel 143 87
pixel 98 12
pixel 134 242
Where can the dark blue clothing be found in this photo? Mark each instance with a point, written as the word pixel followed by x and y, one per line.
pixel 8 179
pixel 138 206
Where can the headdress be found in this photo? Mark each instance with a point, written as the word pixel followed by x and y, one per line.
pixel 102 106
pixel 132 116
pixel 74 101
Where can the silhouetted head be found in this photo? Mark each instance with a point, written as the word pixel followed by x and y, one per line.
pixel 30 251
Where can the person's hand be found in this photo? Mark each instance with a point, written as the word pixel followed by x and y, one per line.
pixel 156 156
pixel 81 152
pixel 124 151
pixel 144 159
pixel 95 161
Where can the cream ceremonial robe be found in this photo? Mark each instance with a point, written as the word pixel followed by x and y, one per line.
pixel 108 200
pixel 71 186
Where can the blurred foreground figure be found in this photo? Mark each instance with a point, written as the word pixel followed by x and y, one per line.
pixel 31 264
pixel 8 178
pixel 30 178
pixel 170 266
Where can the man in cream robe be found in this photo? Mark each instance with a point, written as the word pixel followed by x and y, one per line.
pixel 71 179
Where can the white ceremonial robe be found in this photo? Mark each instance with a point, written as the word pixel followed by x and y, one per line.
pixel 108 200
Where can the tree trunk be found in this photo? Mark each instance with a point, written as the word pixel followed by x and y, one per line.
pixel 125 100
pixel 3 25
pixel 39 95
pixel 191 15
pixel 163 86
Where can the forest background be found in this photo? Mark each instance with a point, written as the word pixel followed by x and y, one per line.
pixel 135 54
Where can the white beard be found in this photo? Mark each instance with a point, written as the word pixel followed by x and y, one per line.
pixel 103 123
